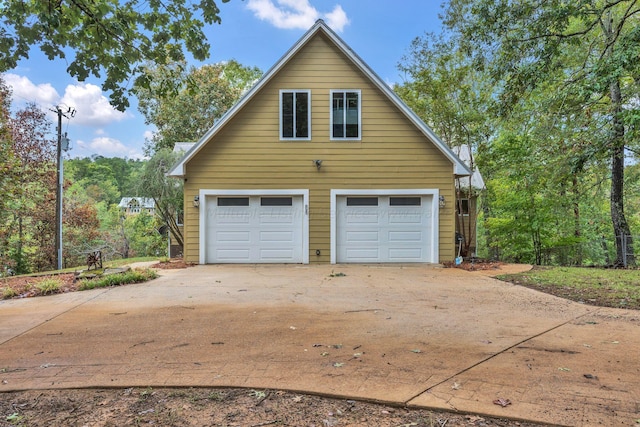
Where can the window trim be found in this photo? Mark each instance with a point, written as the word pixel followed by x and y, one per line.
pixel 460 205
pixel 280 106
pixel 344 91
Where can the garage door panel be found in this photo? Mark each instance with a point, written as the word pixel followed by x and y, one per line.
pixel 233 255
pixel 232 218
pixel 275 237
pixel 362 218
pixel 405 219
pixel 277 217
pixel 362 236
pixel 405 254
pixel 363 254
pixel 405 236
pixel 239 237
pixel 282 255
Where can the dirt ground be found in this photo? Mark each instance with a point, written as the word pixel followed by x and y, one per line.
pixel 208 406
pixel 214 407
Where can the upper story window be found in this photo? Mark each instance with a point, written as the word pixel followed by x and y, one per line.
pixel 345 114
pixel 295 114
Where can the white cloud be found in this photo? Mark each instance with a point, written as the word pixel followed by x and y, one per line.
pixel 337 19
pixel 109 147
pixel 25 90
pixel 92 107
pixel 296 14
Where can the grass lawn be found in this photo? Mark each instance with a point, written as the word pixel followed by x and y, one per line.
pixel 602 287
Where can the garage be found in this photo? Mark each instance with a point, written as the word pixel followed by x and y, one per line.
pixel 249 227
pixel 375 226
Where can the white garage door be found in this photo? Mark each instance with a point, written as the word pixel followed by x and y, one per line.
pixel 254 229
pixel 374 228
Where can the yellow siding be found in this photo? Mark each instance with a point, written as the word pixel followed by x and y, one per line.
pixel 247 153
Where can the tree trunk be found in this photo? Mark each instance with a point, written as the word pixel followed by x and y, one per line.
pixel 577 232
pixel 624 242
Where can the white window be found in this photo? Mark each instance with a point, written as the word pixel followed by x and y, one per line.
pixel 345 114
pixel 295 114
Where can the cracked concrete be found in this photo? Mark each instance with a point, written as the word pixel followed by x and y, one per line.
pixel 411 335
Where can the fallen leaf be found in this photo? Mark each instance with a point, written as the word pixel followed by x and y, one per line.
pixel 416 350
pixel 590 377
pixel 564 369
pixel 455 386
pixel 324 353
pixel 338 365
pixel 502 402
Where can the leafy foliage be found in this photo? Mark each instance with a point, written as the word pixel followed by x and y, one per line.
pixel 166 192
pixel 108 37
pixel 203 95
pixel 564 81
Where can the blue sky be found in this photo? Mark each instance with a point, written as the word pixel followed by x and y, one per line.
pixel 255 33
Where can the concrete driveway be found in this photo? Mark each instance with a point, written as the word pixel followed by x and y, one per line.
pixel 412 335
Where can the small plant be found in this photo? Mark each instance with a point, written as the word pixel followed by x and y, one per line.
pixel 49 285
pixel 15 419
pixel 132 276
pixel 146 393
pixel 8 293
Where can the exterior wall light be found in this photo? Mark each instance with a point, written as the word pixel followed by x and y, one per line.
pixel 318 163
pixel 442 202
pixel 196 202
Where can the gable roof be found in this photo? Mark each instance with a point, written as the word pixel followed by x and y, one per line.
pixel 459 168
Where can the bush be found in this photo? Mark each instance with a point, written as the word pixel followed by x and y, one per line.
pixel 132 276
pixel 8 293
pixel 49 285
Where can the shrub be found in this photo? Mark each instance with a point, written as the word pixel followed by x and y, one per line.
pixel 49 285
pixel 132 276
pixel 8 292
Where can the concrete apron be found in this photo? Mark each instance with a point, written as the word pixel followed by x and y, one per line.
pixel 414 335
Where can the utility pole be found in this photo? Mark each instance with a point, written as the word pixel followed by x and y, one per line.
pixel 63 144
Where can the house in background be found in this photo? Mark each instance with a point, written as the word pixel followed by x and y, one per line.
pixel 468 189
pixel 136 205
pixel 320 162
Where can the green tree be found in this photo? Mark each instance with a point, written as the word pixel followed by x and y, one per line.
pixel 189 113
pixel 586 50
pixel 145 240
pixel 453 98
pixel 110 39
pixel 166 192
pixel 8 169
